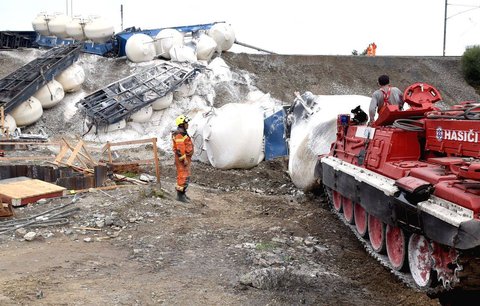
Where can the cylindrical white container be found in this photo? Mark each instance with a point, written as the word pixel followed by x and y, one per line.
pixel 76 28
pixel 206 46
pixel 40 23
pixel 223 35
pixel 10 123
pixel 165 40
pixel 27 112
pixel 72 78
pixel 142 115
pixel 99 30
pixel 182 54
pixel 140 48
pixel 163 102
pixel 58 25
pixel 186 90
pixel 50 94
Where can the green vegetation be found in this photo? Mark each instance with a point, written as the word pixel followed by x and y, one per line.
pixel 471 66
pixel 265 246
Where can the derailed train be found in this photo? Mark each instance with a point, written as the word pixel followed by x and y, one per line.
pixel 409 185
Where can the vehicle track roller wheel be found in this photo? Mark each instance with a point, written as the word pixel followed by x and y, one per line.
pixel 348 210
pixel 361 219
pixel 376 233
pixel 396 241
pixel 337 201
pixel 420 261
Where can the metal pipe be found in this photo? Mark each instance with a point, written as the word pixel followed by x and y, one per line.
pixel 445 28
pixel 253 47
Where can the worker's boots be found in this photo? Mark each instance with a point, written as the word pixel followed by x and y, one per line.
pixel 181 196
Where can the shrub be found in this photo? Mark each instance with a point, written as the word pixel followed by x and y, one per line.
pixel 471 66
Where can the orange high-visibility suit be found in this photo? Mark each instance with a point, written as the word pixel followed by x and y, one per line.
pixel 183 150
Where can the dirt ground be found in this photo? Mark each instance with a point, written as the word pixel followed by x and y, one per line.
pixel 248 237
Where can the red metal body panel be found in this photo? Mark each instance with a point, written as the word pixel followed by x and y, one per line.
pixel 465 193
pixel 456 137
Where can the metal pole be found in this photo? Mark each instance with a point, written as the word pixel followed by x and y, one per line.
pixel 445 28
pixel 121 17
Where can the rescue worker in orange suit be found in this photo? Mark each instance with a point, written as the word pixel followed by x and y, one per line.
pixel 374 49
pixel 183 151
pixel 386 94
pixel 369 50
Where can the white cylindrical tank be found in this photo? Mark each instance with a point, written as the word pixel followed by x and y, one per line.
pixel 206 47
pixel 163 102
pixel 40 23
pixel 50 94
pixel 10 123
pixel 312 135
pixel 223 35
pixel 72 78
pixel 99 30
pixel 233 137
pixel 182 54
pixel 140 48
pixel 186 90
pixel 27 112
pixel 142 115
pixel 165 40
pixel 75 28
pixel 58 25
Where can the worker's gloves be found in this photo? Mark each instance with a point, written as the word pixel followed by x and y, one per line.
pixel 185 162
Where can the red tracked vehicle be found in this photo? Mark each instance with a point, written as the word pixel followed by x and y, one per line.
pixel 410 187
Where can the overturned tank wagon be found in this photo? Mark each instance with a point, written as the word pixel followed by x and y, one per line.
pixel 409 187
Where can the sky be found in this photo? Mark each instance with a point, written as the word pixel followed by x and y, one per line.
pixel 321 27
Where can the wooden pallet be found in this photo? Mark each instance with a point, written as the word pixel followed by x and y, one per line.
pixel 23 192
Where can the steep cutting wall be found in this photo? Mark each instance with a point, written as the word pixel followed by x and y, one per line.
pixel 282 75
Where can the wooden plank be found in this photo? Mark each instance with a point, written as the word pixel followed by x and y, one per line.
pixel 29 191
pixel 74 153
pixel 130 142
pixel 155 159
pixel 26 158
pixel 61 154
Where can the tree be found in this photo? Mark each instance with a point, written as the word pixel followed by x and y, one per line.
pixel 471 66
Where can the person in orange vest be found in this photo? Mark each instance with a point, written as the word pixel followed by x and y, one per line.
pixel 183 151
pixel 386 94
pixel 374 49
pixel 369 50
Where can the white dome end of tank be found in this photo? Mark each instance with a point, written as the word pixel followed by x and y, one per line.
pixel 28 112
pixel 72 78
pixel 142 115
pixel 105 129
pixel 10 123
pixel 163 102
pixel 75 28
pixel 186 90
pixel 50 94
pixel 183 54
pixel 58 25
pixel 223 35
pixel 140 48
pixel 206 47
pixel 40 23
pixel 165 40
pixel 99 30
